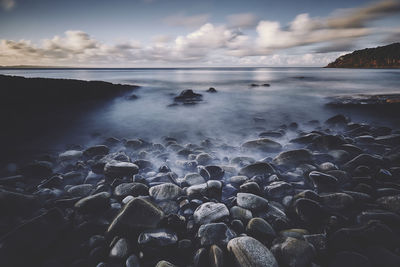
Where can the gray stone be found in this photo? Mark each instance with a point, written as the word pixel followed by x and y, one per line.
pixel 261 145
pixel 260 229
pixel 194 179
pixel 210 212
pixel 167 191
pixel 120 250
pixel 120 169
pixel 81 190
pixel 294 252
pixel 97 203
pixel 214 233
pixel 251 202
pixel 249 252
pixel 137 214
pixel 293 157
pixel 157 238
pixel 241 214
pixel 258 168
pixel 133 189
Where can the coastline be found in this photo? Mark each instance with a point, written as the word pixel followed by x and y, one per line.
pixel 314 185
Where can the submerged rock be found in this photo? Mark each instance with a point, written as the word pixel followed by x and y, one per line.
pixel 188 97
pixel 211 90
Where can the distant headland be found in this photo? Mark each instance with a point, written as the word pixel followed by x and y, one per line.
pixel 380 57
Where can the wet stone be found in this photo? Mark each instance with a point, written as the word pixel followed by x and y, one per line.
pixel 214 233
pixel 99 150
pixel 210 212
pixel 157 238
pixel 130 189
pixel 137 214
pixel 97 203
pixel 251 202
pixel 119 169
pixel 262 145
pixel 212 172
pixel 248 252
pixel 240 213
pixel 167 191
pixel 293 157
pixel 323 182
pixel 260 229
pixel 294 252
pixel 120 250
pixel 258 168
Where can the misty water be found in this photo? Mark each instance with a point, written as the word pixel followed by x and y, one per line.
pixel 235 114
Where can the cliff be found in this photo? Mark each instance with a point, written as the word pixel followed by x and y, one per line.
pixel 380 57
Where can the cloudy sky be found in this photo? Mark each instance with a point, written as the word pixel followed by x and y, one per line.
pixel 178 33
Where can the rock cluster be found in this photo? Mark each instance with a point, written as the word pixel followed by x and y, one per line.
pixel 329 197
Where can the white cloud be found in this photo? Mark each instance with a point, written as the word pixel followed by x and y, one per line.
pixel 302 31
pixel 181 19
pixel 209 44
pixel 7 4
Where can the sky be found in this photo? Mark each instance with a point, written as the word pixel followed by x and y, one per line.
pixel 184 33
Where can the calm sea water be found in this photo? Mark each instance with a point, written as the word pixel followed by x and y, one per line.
pixel 295 95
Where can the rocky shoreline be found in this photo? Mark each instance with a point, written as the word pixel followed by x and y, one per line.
pixel 40 105
pixel 328 197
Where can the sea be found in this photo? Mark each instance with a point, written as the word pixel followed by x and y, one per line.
pixel 237 112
